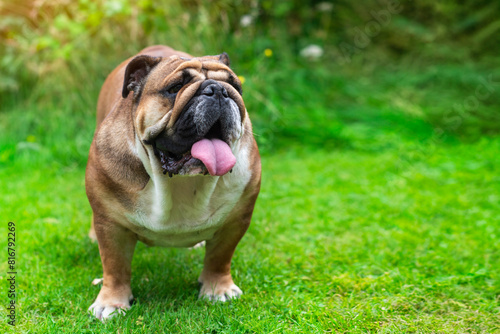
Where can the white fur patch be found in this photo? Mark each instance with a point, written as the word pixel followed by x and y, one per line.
pixel 216 294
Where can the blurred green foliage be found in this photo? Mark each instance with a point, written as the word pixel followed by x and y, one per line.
pixel 377 63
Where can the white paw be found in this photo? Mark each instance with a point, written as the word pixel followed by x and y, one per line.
pixel 111 302
pixel 103 312
pixel 217 294
pixel 97 281
pixel 198 245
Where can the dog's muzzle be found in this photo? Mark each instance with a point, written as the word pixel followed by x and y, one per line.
pixel 206 127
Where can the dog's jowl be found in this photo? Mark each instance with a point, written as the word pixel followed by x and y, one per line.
pixel 173 163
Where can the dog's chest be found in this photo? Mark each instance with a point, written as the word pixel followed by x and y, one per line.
pixel 182 211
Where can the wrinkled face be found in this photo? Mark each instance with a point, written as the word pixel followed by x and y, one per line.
pixel 187 111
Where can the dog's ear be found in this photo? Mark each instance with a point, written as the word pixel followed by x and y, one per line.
pixel 224 58
pixel 136 72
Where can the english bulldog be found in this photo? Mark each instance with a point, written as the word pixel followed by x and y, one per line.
pixel 173 163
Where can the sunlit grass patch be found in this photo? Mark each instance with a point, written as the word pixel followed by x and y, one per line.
pixel 341 241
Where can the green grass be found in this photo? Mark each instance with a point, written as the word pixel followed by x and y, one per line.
pixel 341 241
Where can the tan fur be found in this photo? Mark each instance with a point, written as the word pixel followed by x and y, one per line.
pixel 121 183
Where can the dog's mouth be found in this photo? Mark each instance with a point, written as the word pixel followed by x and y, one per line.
pixel 208 155
pixel 174 164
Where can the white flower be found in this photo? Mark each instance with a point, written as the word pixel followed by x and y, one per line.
pixel 312 51
pixel 324 6
pixel 246 20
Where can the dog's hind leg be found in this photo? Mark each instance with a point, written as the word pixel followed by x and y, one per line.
pixel 92 235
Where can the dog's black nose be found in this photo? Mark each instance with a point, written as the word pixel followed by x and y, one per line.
pixel 213 88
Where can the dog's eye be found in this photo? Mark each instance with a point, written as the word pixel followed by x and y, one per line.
pixel 233 83
pixel 175 89
pixel 238 88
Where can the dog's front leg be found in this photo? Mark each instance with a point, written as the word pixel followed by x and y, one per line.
pixel 217 282
pixel 116 246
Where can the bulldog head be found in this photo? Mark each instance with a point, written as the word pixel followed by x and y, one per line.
pixel 188 113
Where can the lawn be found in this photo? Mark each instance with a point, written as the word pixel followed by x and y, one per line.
pixel 395 237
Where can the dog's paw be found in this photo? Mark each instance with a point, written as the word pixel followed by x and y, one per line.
pixel 97 281
pixel 103 311
pixel 198 245
pixel 219 292
pixel 108 305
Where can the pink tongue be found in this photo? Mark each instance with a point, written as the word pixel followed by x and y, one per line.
pixel 215 154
